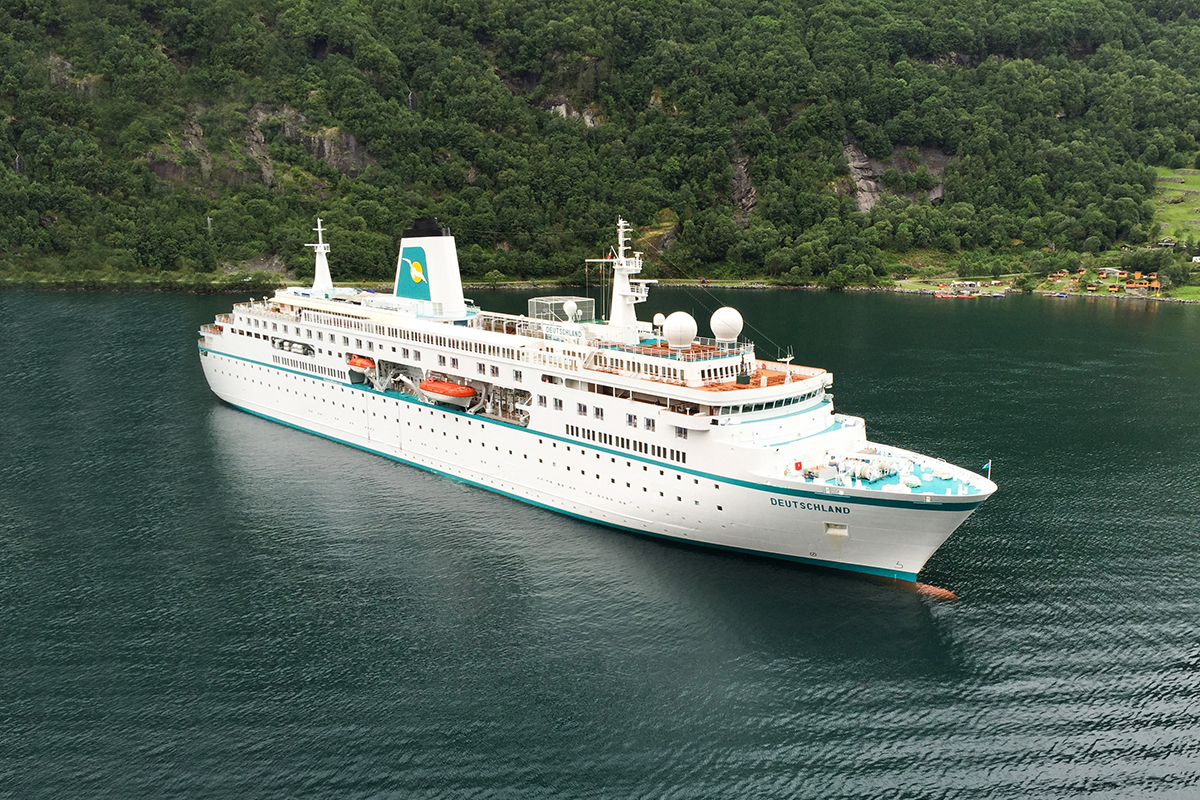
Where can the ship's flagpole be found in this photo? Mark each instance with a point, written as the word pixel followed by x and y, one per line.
pixel 988 467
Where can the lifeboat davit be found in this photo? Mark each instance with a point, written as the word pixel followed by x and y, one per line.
pixel 454 394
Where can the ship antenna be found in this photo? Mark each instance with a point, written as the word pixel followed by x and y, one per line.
pixel 322 282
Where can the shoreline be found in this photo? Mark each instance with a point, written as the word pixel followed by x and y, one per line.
pixel 177 285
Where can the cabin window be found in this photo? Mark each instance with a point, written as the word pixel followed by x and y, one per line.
pixel 516 374
pixel 649 424
pixel 274 327
pixel 358 342
pixel 598 412
pixel 441 361
pixel 542 400
pixel 495 372
pixel 631 420
pixel 453 362
pixel 416 355
pixel 308 333
pixel 558 404
pixel 404 352
pixel 581 408
pixel 481 369
pixel 345 339
pixel 680 433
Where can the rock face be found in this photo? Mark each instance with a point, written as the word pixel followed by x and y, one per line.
pixel 193 141
pixel 865 172
pixel 864 176
pixel 62 74
pixel 342 151
pixel 563 109
pixel 745 196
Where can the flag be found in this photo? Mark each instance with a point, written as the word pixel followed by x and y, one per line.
pixel 987 465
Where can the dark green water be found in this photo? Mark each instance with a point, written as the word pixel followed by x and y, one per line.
pixel 198 603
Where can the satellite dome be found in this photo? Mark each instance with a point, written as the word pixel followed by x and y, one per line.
pixel 726 324
pixel 659 319
pixel 569 308
pixel 680 330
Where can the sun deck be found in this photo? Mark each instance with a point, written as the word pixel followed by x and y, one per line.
pixel 890 472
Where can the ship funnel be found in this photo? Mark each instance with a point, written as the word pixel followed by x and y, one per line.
pixel 427 271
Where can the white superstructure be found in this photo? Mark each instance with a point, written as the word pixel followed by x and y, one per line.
pixel 639 426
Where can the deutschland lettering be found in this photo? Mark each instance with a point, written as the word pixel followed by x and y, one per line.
pixel 806 506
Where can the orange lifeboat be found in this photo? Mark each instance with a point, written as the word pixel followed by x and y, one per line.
pixel 446 392
pixel 362 362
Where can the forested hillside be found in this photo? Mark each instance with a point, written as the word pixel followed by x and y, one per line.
pixel 805 140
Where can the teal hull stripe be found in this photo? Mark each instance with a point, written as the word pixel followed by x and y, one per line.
pixel 884 573
pixel 935 505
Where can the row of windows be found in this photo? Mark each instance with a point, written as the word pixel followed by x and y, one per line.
pixel 719 373
pixel 293 363
pixel 458 344
pixel 786 401
pixel 627 444
pixel 656 370
pixel 427 338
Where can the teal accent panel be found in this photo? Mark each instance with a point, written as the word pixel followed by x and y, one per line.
pixel 412 280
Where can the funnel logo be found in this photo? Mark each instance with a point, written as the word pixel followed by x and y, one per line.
pixel 411 278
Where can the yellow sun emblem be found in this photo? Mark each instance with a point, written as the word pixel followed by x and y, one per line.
pixel 416 272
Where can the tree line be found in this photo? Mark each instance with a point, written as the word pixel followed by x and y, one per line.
pixel 528 127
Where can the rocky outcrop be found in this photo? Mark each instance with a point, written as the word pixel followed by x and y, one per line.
pixel 193 141
pixel 564 109
pixel 864 176
pixel 865 172
pixel 342 151
pixel 658 238
pixel 745 196
pixel 63 75
pixel 254 146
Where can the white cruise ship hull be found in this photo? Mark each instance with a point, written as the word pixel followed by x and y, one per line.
pixel 842 527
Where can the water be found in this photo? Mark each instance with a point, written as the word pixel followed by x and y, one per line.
pixel 198 603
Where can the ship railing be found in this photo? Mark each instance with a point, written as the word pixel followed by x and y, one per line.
pixel 702 348
pixel 796 370
pixel 557 360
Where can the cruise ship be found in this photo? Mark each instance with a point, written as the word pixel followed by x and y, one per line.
pixel 642 426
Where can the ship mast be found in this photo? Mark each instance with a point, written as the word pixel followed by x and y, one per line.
pixel 322 282
pixel 626 293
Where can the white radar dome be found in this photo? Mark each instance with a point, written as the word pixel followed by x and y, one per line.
pixel 569 308
pixel 680 330
pixel 726 324
pixel 659 319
